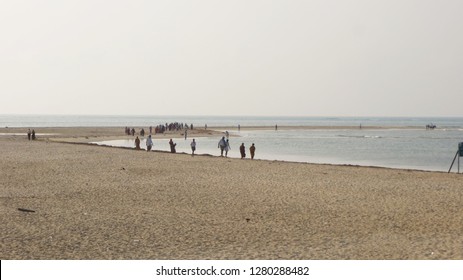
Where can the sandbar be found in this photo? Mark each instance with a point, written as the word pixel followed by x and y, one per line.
pixel 93 202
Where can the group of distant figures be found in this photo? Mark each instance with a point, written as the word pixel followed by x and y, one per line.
pixel 149 145
pixel 132 131
pixel 162 128
pixel 430 126
pixel 31 135
pixel 175 126
pixel 224 146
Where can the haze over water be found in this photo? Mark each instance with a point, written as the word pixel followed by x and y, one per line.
pixel 200 121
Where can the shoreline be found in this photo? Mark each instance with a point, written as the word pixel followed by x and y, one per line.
pixel 232 128
pixel 90 135
pixel 94 202
pixel 113 133
pixel 258 159
pixel 94 134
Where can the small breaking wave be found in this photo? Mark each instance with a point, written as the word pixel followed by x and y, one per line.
pixel 359 136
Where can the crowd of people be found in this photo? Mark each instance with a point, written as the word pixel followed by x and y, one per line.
pixel 175 126
pixel 223 145
pixel 161 128
pixel 130 131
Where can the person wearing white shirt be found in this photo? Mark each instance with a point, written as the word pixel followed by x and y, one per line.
pixel 222 144
pixel 149 143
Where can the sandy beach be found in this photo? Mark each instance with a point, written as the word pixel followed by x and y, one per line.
pixel 93 202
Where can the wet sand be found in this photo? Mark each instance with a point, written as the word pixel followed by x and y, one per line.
pixel 93 202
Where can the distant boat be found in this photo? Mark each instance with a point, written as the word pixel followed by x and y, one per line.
pixel 430 126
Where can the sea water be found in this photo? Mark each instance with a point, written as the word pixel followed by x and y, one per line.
pixel 30 121
pixel 406 147
pixel 398 148
pixel 418 149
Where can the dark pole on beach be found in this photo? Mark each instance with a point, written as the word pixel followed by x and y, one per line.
pixel 454 162
pixel 460 151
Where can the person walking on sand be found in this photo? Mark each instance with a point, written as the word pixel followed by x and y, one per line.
pixel 193 147
pixel 29 134
pixel 149 143
pixel 222 144
pixel 242 151
pixel 137 143
pixel 227 147
pixel 252 150
pixel 33 134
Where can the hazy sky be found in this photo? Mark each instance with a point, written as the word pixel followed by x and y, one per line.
pixel 282 57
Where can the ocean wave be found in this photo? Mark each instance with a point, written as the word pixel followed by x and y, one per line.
pixel 359 136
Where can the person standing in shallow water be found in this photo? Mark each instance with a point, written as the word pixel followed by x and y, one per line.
pixel 227 147
pixel 193 147
pixel 252 150
pixel 137 143
pixel 172 146
pixel 222 144
pixel 242 151
pixel 149 143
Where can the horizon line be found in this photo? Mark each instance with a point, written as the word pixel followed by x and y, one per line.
pixel 214 115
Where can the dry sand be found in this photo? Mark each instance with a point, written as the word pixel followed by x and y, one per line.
pixel 94 202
